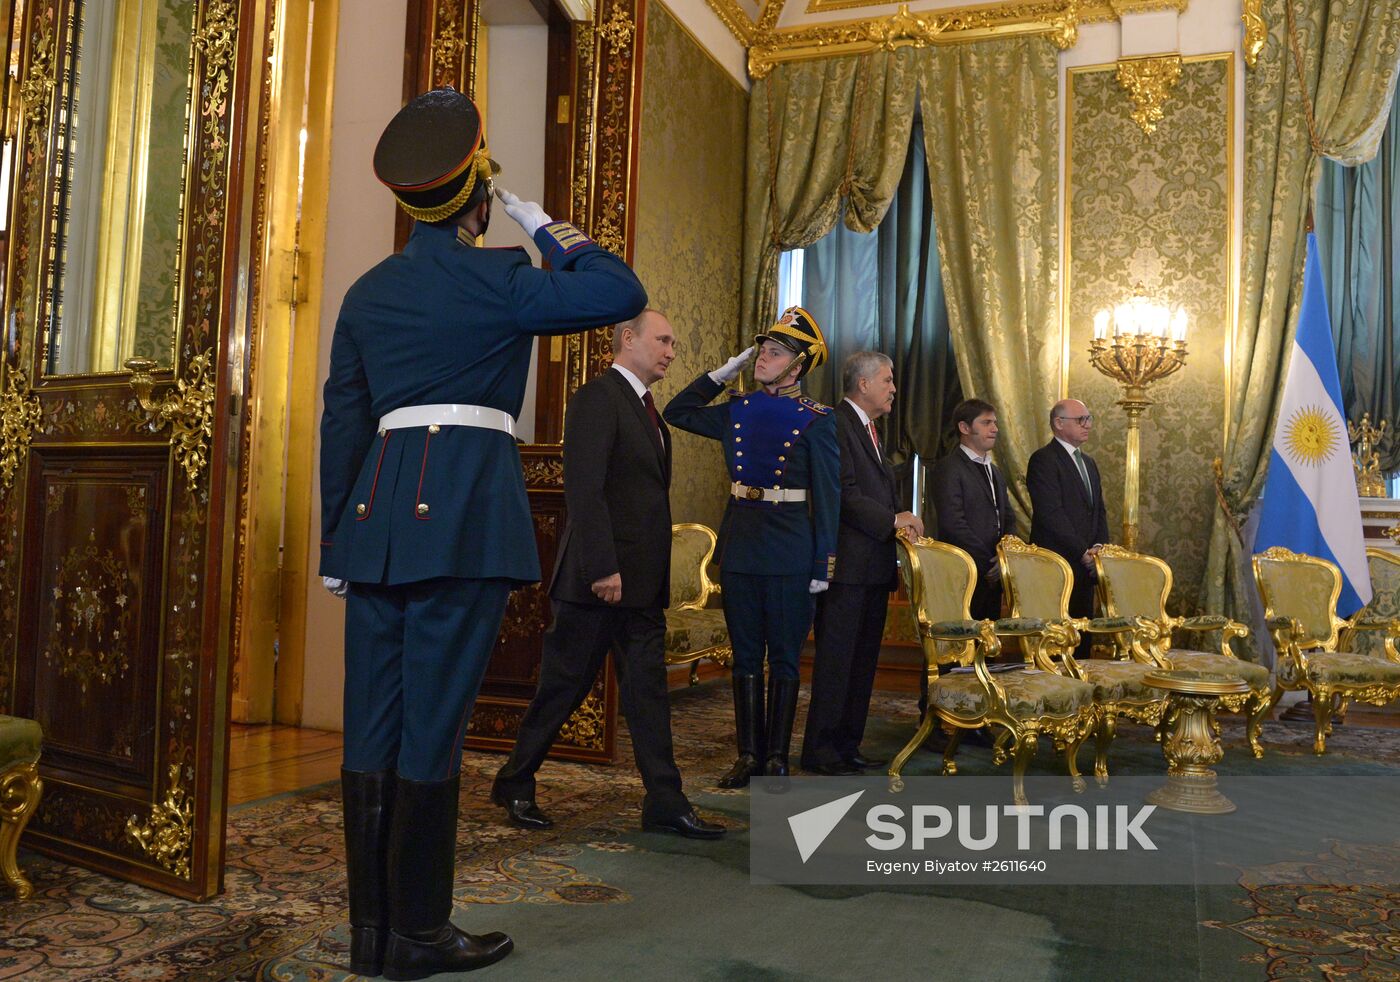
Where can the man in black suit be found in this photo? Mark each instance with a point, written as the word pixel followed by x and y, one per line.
pixel 1067 501
pixel 612 582
pixel 850 617
pixel 972 507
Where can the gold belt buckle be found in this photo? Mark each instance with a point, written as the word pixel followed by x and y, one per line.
pixel 753 494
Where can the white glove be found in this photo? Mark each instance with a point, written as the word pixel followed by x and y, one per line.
pixel 336 587
pixel 530 215
pixel 817 586
pixel 732 367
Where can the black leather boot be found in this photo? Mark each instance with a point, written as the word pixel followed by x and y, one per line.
pixel 368 801
pixel 782 710
pixel 422 845
pixel 748 727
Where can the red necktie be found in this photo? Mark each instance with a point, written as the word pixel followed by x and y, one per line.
pixel 655 420
pixel 874 437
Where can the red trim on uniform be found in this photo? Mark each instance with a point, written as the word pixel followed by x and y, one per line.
pixel 327 544
pixel 437 181
pixel 418 498
pixel 369 508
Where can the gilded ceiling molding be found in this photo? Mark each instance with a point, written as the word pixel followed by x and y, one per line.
pixel 1148 82
pixel 1094 11
pixel 1056 19
pixel 734 18
pixel 768 16
pixel 1255 30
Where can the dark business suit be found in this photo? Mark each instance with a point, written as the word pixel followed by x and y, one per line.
pixel 968 517
pixel 850 617
pixel 1065 517
pixel 617 476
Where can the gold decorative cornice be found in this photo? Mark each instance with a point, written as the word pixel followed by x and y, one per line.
pixel 734 18
pixel 1148 81
pixel 166 836
pixel 1095 11
pixel 19 419
pixel 1056 19
pixel 189 409
pixel 1255 30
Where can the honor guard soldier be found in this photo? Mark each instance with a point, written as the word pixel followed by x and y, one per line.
pixel 425 525
pixel 778 539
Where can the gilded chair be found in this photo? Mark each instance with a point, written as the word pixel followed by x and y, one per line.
pixel 1021 703
pixel 21 741
pixel 1136 585
pixel 694 630
pixel 1316 648
pixel 1384 607
pixel 1039 582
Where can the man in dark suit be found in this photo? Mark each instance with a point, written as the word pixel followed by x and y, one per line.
pixel 969 496
pixel 850 617
pixel 612 582
pixel 777 543
pixel 425 527
pixel 1068 514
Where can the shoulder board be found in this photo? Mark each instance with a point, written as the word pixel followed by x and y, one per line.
pixel 816 407
pixel 566 238
pixel 732 393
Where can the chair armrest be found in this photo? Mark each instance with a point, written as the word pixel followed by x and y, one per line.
pixel 1114 625
pixel 953 630
pixel 1204 622
pixel 1019 627
pixel 1376 624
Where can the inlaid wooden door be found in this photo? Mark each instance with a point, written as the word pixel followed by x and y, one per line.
pixel 120 409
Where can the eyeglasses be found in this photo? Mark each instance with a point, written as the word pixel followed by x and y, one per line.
pixel 1081 420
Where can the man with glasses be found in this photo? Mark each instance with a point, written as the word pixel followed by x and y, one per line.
pixel 1067 501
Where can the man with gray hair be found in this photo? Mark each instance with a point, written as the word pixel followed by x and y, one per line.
pixel 850 617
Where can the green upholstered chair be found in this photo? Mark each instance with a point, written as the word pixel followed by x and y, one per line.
pixel 1317 650
pixel 20 743
pixel 694 630
pixel 1021 703
pixel 1384 607
pixel 1038 582
pixel 1136 585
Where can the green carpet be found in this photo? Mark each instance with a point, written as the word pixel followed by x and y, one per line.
pixel 594 898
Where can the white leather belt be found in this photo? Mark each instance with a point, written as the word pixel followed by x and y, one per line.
pixel 745 493
pixel 448 414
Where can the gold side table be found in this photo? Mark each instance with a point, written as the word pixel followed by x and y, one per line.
pixel 1191 739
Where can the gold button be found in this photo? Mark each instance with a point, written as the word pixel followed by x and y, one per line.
pixel 777 487
pixel 434 428
pixel 738 453
pixel 739 467
pixel 736 425
pixel 779 472
pixel 738 439
pixel 383 432
pixel 359 509
pixel 781 459
pixel 796 432
pixel 423 509
pixel 746 402
pixel 787 444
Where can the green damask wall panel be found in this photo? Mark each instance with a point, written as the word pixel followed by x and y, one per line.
pixel 689 209
pixel 1155 210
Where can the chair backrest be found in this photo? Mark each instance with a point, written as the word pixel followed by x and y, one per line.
pixel 1134 584
pixel 1039 581
pixel 692 546
pixel 1304 588
pixel 939 579
pixel 1385 600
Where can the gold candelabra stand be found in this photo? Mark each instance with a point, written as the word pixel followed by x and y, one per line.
pixel 1365 460
pixel 1136 344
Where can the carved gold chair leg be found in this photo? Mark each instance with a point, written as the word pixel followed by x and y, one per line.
pixel 950 751
pixel 1274 699
pixel 1103 738
pixel 1023 751
pixel 915 742
pixel 1072 746
pixel 1322 719
pixel 695 673
pixel 1260 706
pixel 19 799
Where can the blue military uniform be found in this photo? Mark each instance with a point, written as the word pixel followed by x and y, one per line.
pixel 770 549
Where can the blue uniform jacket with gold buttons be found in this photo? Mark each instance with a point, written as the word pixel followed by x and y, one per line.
pixel 771 441
pixel 447 322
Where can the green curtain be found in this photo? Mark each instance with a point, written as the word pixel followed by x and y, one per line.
pixel 1349 53
pixel 896 265
pixel 823 130
pixel 1358 238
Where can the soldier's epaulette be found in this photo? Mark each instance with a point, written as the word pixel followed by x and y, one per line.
pixel 566 238
pixel 815 406
pixel 732 393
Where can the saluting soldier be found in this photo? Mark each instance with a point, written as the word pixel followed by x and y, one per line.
pixel 425 523
pixel 777 543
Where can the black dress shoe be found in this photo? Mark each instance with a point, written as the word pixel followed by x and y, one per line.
pixel 838 769
pixel 523 813
pixel 448 950
pixel 690 825
pixel 858 760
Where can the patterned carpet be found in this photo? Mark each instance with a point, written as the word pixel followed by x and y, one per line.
pixel 595 898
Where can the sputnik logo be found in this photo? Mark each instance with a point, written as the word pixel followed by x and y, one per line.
pixel 810 828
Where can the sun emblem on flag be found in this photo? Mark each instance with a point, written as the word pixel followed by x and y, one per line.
pixel 1311 437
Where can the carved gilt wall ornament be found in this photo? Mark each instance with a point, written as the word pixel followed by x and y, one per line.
pixel 1255 30
pixel 90 612
pixel 37 88
pixel 189 408
pixel 1148 82
pixel 586 726
pixel 619 29
pixel 20 416
pixel 167 833
pixel 449 43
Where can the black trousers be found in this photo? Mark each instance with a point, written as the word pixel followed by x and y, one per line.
pixel 574 649
pixel 1081 604
pixel 849 625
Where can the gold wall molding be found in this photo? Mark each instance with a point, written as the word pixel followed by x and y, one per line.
pixel 1255 30
pixel 20 416
pixel 166 835
pixel 1148 82
pixel 733 17
pixel 189 410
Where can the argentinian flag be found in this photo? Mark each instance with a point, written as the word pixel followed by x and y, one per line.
pixel 1310 501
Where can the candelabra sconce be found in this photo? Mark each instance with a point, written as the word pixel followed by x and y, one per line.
pixel 1365 460
pixel 188 408
pixel 1137 343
